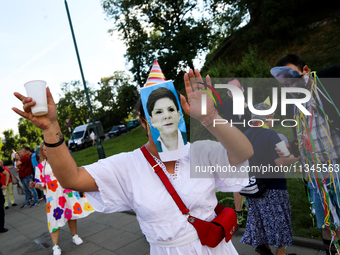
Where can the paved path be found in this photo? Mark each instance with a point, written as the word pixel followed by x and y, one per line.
pixel 116 233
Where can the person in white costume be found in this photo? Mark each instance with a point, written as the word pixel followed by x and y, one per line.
pixel 127 181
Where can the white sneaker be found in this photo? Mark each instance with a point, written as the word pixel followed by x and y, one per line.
pixel 77 240
pixel 56 250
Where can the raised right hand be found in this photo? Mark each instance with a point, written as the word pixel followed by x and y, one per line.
pixel 43 122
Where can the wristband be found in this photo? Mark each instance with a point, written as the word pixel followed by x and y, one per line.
pixel 210 119
pixel 55 144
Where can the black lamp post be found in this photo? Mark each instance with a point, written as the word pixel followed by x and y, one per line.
pixel 100 149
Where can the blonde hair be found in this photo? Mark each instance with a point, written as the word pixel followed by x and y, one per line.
pixel 41 153
pixel 15 156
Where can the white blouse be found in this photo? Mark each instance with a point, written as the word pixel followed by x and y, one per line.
pixel 127 181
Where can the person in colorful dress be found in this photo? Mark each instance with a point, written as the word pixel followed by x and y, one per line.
pixel 62 205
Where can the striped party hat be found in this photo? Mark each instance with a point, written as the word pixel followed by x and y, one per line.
pixel 156 75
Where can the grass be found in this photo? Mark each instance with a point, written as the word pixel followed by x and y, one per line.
pixel 303 224
pixel 123 143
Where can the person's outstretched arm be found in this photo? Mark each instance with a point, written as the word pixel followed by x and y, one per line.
pixel 233 140
pixel 60 159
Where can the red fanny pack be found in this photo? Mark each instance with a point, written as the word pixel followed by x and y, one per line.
pixel 209 233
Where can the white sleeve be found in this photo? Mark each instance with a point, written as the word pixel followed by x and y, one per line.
pixel 209 159
pixel 38 178
pixel 112 178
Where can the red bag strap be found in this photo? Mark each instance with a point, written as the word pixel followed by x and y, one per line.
pixel 159 171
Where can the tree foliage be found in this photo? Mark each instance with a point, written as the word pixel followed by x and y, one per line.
pixel 32 134
pixel 165 30
pixel 74 106
pixel 250 66
pixel 30 138
pixel 267 19
pixel 12 142
pixel 111 103
pixel 117 96
pixel 1 152
pixel 226 16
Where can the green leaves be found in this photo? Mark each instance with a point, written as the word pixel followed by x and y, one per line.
pixel 112 102
pixel 30 135
pixel 163 30
pixel 11 143
pixel 117 96
pixel 73 106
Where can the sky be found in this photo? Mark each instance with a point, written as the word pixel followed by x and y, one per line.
pixel 36 44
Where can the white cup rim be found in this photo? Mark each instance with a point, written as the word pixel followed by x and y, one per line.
pixel 34 81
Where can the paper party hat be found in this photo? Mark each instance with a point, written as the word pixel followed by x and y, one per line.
pixel 267 101
pixel 156 75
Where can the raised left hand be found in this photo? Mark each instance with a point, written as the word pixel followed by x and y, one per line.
pixel 194 88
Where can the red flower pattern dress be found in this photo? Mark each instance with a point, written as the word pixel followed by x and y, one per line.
pixel 61 204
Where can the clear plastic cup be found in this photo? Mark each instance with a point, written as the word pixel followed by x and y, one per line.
pixel 283 147
pixel 37 91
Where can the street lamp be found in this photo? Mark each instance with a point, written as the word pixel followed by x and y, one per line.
pixel 100 149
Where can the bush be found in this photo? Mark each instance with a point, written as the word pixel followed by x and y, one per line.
pixel 250 66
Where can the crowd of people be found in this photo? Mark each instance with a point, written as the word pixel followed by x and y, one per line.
pixel 128 181
pixel 38 180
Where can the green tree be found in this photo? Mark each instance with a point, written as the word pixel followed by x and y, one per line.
pixel 117 96
pixel 126 99
pixel 74 106
pixel 32 134
pixel 165 30
pixel 227 16
pixel 12 142
pixel 269 19
pixel 1 152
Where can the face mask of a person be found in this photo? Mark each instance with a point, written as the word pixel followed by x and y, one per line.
pixel 291 78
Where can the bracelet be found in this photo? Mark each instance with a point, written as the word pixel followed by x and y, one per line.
pixel 210 119
pixel 54 144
